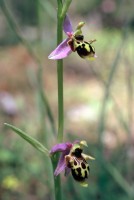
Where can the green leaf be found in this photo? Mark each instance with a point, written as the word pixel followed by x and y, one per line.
pixel 37 145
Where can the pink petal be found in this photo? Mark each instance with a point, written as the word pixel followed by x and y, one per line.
pixel 62 51
pixel 67 26
pixel 61 147
pixel 61 164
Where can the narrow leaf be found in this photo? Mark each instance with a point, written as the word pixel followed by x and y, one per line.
pixel 29 139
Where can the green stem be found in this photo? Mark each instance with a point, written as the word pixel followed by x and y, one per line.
pixel 57 181
pixel 60 75
pixel 62 10
pixel 60 101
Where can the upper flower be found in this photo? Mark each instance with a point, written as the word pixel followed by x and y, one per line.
pixel 74 42
pixel 73 160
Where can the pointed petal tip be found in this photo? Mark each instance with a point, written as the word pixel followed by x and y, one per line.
pixel 84 184
pixel 91 58
pixel 80 25
pixel 87 157
pixel 55 173
pixel 83 143
pixel 91 158
pixel 52 58
pixel 49 57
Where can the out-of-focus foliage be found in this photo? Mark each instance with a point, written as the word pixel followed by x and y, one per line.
pixel 104 13
pixel 106 123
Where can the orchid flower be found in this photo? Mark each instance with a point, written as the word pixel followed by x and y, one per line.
pixel 73 160
pixel 73 42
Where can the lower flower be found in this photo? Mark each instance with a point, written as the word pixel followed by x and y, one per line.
pixel 73 160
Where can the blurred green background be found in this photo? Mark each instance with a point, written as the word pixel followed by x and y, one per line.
pixel 98 98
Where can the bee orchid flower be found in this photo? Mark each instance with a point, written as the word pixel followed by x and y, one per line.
pixel 73 42
pixel 72 159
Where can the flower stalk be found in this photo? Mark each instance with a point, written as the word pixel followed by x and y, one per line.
pixel 57 181
pixel 60 74
pixel 60 18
